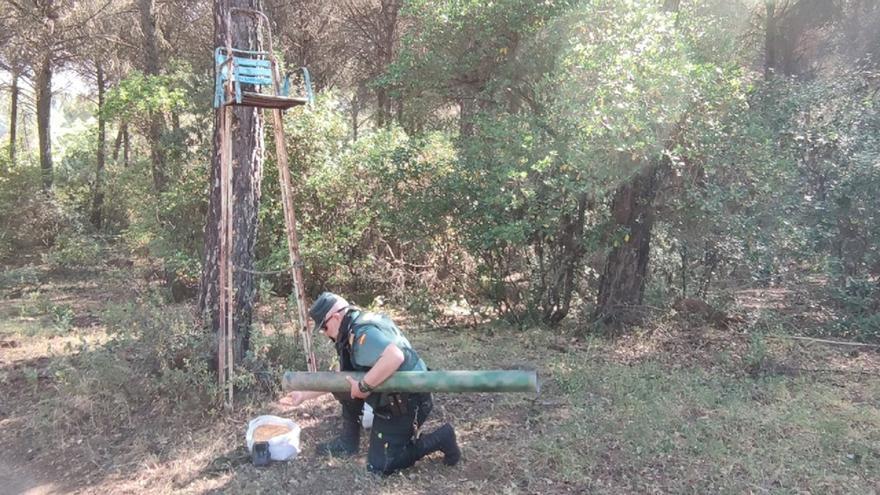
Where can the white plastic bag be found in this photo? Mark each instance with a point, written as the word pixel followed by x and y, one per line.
pixel 281 447
pixel 367 419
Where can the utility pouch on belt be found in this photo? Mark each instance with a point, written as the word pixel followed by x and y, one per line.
pixel 398 404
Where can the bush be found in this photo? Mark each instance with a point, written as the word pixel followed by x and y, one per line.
pixel 374 217
pixel 74 251
pixel 29 218
pixel 859 300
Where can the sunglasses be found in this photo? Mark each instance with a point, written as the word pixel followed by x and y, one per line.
pixel 327 319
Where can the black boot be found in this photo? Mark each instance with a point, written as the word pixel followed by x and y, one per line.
pixel 442 439
pixel 345 444
pixel 348 441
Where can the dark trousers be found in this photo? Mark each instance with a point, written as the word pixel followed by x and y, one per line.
pixel 393 444
pixel 351 408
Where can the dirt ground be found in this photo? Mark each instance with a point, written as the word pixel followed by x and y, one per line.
pixel 572 438
pixel 18 479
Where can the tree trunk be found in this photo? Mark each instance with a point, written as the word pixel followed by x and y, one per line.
pixel 121 143
pixel 467 111
pixel 770 38
pixel 13 119
pixel 357 103
pixel 559 262
pixel 247 164
pixel 151 68
pixel 117 143
pixel 387 19
pixel 622 284
pixel 355 110
pixel 381 107
pixel 126 146
pixel 671 5
pixel 44 107
pixel 98 199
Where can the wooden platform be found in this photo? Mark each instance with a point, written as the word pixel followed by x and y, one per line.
pixel 249 99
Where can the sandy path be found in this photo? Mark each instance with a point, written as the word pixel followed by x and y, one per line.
pixel 15 480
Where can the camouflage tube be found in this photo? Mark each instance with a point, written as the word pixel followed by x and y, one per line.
pixel 420 381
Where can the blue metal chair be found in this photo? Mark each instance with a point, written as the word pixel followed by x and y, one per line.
pixel 258 69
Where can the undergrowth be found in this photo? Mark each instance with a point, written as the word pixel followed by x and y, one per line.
pixel 689 431
pixel 726 413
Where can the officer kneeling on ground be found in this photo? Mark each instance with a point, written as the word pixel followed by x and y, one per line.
pixel 372 343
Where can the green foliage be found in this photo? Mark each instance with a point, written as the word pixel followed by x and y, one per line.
pixel 172 346
pixel 29 218
pixel 21 279
pixel 780 185
pixel 140 95
pixel 182 210
pixel 316 139
pixel 655 421
pixel 755 359
pixel 62 317
pixel 374 213
pixel 858 300
pixel 579 97
pixel 75 251
pixel 518 123
pixel 269 357
pixel 34 303
pixel 169 226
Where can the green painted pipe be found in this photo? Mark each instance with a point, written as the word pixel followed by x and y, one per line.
pixel 420 381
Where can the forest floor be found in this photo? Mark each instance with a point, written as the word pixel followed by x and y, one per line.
pixel 676 407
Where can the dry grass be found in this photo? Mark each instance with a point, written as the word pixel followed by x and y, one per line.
pixel 674 408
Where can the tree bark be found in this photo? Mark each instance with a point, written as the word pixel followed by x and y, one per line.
pixel 247 164
pixel 44 108
pixel 622 284
pixel 126 146
pixel 671 5
pixel 355 110
pixel 98 198
pixel 357 103
pixel 381 107
pixel 152 68
pixel 117 143
pixel 13 119
pixel 121 143
pixel 559 263
pixel 770 38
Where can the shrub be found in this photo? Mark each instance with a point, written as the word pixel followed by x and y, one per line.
pixel 74 251
pixel 859 300
pixel 29 218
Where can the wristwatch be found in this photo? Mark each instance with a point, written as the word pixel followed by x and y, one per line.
pixel 364 388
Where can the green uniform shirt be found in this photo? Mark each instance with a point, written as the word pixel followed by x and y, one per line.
pixel 371 334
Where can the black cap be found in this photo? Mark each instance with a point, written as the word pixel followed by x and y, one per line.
pixel 326 302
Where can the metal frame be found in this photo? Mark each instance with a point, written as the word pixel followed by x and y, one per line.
pixel 226 57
